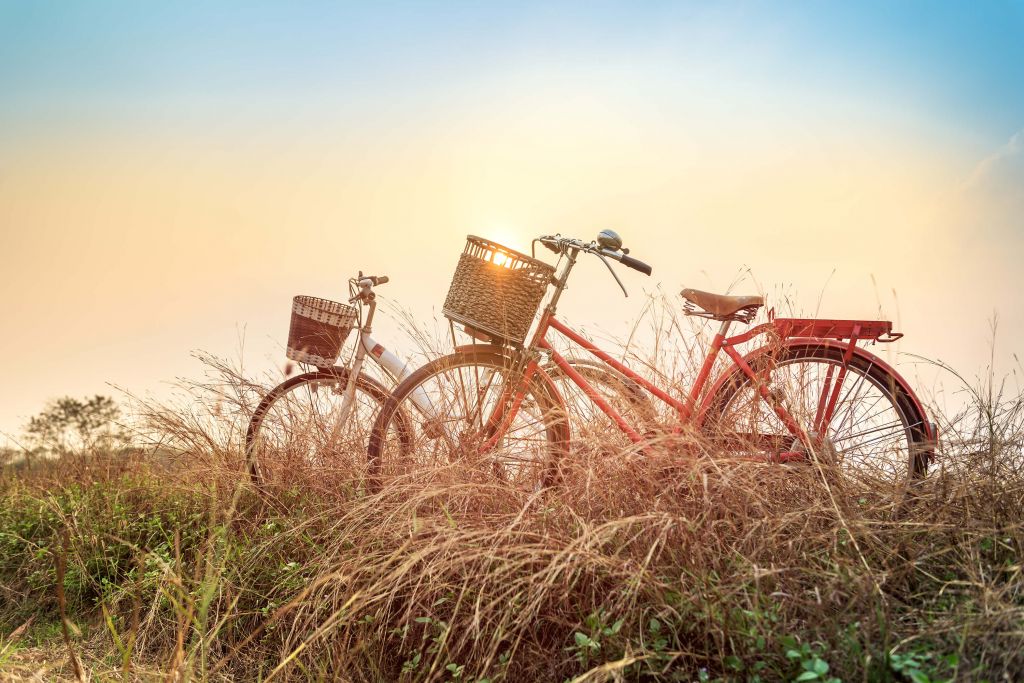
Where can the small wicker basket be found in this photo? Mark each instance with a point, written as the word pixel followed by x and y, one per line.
pixel 496 290
pixel 318 329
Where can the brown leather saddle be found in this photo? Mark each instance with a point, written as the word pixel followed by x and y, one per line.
pixel 721 307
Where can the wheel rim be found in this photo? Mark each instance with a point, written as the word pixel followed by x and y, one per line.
pixel 868 437
pixel 303 433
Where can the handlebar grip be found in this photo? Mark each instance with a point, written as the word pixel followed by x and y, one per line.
pixel 380 280
pixel 550 246
pixel 635 264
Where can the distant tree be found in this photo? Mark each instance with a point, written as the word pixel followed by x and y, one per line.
pixel 68 424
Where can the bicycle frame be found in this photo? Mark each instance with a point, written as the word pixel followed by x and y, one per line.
pixel 391 364
pixel 387 361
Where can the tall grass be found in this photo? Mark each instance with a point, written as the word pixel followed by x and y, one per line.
pixel 680 565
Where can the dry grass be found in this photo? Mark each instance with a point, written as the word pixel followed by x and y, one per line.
pixel 676 566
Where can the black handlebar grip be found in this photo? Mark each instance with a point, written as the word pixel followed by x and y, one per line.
pixel 635 264
pixel 552 247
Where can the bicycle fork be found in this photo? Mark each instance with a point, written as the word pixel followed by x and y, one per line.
pixel 508 405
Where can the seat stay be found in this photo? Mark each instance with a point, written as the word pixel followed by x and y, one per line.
pixel 766 395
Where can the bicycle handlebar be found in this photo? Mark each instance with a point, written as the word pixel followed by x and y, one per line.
pixel 361 287
pixel 628 261
pixel 559 245
pixel 371 280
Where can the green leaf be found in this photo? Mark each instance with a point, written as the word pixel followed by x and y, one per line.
pixel 807 676
pixel 583 640
pixel 820 666
pixel 654 626
pixel 733 662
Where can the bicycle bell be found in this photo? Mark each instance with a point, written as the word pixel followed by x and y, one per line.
pixel 610 240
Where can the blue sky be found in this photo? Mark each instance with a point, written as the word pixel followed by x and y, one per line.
pixel 959 65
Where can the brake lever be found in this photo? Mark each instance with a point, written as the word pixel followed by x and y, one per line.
pixel 611 270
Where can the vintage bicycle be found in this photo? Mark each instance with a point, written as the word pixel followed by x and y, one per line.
pixel 808 391
pixel 318 417
pixel 318 421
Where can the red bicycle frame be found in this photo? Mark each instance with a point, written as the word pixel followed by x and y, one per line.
pixel 846 334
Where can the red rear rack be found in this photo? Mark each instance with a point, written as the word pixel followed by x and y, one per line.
pixel 878 330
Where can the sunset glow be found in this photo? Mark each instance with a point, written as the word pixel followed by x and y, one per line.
pixel 172 174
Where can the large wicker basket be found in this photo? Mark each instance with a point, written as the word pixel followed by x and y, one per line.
pixel 318 329
pixel 497 290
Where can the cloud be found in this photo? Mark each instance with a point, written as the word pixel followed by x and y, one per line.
pixel 1006 163
pixel 994 195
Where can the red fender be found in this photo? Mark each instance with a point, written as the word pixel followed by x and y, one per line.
pixel 929 427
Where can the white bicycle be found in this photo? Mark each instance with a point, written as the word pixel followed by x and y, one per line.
pixel 318 422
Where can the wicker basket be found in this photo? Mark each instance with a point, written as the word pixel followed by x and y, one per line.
pixel 318 329
pixel 497 290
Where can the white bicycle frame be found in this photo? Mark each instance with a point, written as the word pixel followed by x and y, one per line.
pixel 391 364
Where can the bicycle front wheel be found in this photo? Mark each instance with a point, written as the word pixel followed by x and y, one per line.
pixel 448 406
pixel 305 429
pixel 875 433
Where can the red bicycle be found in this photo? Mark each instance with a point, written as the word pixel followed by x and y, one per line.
pixel 807 392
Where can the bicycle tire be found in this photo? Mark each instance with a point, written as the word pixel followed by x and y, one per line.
pixel 445 438
pixel 266 453
pixel 896 448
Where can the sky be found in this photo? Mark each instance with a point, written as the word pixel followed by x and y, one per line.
pixel 171 174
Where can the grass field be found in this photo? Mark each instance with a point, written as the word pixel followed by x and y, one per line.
pixel 165 564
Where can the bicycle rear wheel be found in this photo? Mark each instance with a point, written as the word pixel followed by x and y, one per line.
pixel 448 404
pixel 876 432
pixel 303 431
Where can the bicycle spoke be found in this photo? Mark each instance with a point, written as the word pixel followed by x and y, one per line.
pixel 307 427
pixel 469 398
pixel 867 430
